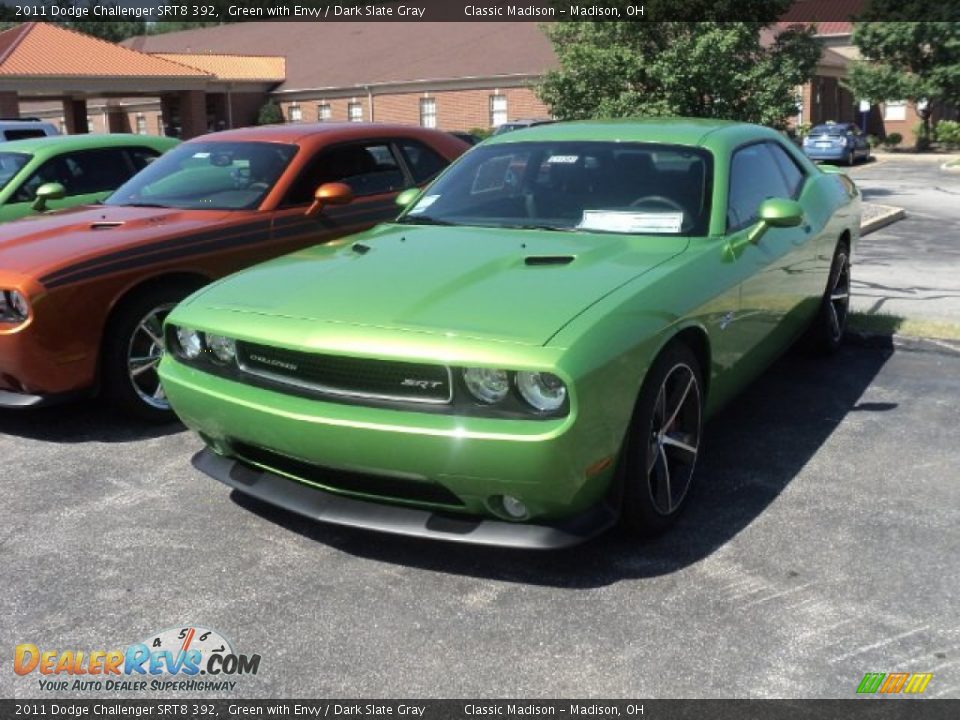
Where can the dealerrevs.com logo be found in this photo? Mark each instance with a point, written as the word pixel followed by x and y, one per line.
pixel 191 659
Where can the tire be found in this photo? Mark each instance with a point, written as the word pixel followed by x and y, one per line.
pixel 660 451
pixel 132 348
pixel 826 333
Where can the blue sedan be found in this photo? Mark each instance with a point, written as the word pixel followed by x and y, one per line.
pixel 843 142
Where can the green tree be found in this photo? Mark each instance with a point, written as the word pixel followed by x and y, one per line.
pixel 700 69
pixel 917 61
pixel 270 114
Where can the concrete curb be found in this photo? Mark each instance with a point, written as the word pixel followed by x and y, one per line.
pixel 916 157
pixel 889 215
pixel 946 167
pixel 895 341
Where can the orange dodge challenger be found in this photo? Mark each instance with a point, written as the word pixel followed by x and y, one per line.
pixel 83 292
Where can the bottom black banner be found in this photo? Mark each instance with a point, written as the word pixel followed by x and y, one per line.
pixel 879 709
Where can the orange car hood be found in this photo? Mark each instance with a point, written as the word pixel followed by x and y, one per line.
pixel 40 244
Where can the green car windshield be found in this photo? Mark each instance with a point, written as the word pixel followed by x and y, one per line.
pixel 10 165
pixel 635 188
pixel 207 176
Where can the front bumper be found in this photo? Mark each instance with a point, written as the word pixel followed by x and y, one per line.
pixel 412 522
pixel 436 463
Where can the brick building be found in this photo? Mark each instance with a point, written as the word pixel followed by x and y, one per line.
pixel 455 76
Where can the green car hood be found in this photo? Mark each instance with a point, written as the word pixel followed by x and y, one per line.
pixel 518 286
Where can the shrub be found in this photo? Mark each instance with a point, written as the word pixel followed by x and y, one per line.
pixel 482 133
pixel 873 141
pixel 892 140
pixel 270 114
pixel 803 129
pixel 947 133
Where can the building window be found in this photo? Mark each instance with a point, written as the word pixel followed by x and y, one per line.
pixel 296 114
pixel 63 126
pixel 323 112
pixel 354 112
pixel 160 129
pixel 141 124
pixel 428 112
pixel 498 110
pixel 895 110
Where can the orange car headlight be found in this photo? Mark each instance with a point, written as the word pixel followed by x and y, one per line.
pixel 14 306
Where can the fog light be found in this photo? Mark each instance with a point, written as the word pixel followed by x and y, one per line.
pixel 513 507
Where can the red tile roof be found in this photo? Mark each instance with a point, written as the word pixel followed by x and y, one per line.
pixel 265 68
pixel 832 17
pixel 46 50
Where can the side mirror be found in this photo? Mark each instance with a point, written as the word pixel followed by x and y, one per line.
pixel 47 192
pixel 780 212
pixel 407 197
pixel 775 212
pixel 333 193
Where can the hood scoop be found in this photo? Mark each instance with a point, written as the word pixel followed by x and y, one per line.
pixel 534 260
pixel 105 224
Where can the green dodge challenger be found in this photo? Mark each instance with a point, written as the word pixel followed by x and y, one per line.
pixel 527 355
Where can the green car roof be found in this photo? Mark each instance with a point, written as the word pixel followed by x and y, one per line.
pixel 56 144
pixel 667 130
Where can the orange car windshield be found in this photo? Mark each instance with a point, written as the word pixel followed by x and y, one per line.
pixel 208 176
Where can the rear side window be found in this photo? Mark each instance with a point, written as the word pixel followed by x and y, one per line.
pixel 754 177
pixel 23 134
pixel 424 163
pixel 140 157
pixel 792 174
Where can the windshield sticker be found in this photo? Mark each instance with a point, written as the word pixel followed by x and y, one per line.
pixel 631 222
pixel 425 202
pixel 563 159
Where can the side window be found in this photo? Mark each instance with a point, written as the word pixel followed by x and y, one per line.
pixel 754 177
pixel 369 169
pixel 140 157
pixel 50 171
pixel 93 171
pixel 424 163
pixel 791 173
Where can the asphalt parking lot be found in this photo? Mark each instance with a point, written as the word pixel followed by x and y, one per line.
pixel 910 269
pixel 822 542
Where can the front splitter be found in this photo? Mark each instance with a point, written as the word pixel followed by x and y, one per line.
pixel 328 507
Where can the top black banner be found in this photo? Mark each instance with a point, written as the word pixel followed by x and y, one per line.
pixel 763 11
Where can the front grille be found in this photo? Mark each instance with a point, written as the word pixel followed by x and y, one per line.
pixel 379 485
pixel 348 376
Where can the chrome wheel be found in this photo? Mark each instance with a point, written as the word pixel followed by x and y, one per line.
pixel 839 293
pixel 674 439
pixel 144 352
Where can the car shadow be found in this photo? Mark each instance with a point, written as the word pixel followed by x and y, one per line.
pixel 752 451
pixel 80 422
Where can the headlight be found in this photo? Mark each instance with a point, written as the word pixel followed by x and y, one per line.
pixel 223 348
pixel 487 385
pixel 190 342
pixel 544 391
pixel 13 306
